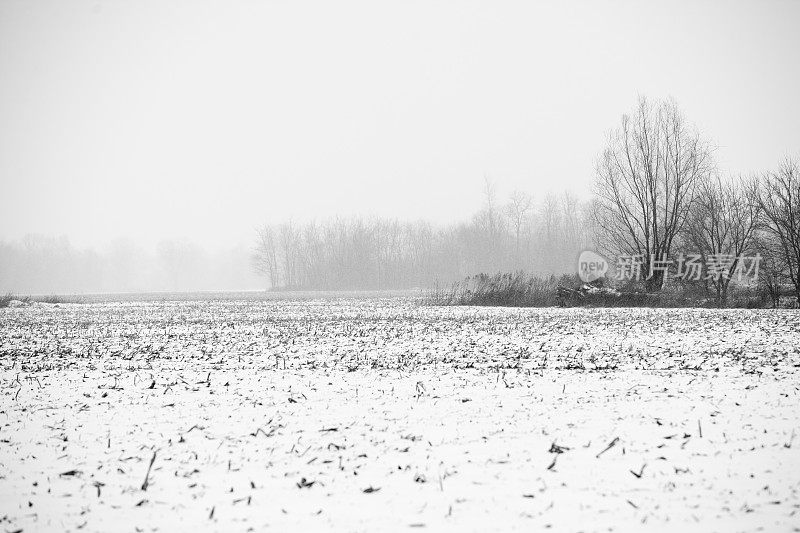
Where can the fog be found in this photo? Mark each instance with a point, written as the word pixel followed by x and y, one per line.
pixel 143 145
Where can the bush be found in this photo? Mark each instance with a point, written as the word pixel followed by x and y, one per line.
pixel 523 290
pixel 55 299
pixel 9 297
pixel 6 299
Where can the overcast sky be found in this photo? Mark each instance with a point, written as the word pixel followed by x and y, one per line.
pixel 201 119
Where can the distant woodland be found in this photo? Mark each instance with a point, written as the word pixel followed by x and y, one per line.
pixel 40 264
pixel 542 236
pixel 335 254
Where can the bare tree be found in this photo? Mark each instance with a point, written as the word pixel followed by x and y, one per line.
pixel 490 194
pixel 722 228
pixel 289 236
pixel 518 211
pixel 265 255
pixel 487 249
pixel 646 179
pixel 550 223
pixel 772 272
pixel 779 198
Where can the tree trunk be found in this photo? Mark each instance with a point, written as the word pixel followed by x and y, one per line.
pixel 655 282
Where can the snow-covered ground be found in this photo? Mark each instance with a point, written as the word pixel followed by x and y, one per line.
pixel 369 414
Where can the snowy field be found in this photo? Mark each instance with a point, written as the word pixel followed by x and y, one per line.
pixel 366 414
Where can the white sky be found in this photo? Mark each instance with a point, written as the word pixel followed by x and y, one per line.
pixel 202 119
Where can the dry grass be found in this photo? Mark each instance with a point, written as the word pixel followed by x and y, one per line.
pixel 507 289
pixel 519 289
pixel 6 299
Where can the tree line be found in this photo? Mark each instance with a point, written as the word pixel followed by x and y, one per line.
pixel 41 264
pixel 380 253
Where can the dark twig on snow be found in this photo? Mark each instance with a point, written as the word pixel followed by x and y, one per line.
pixel 640 473
pixel 146 482
pixel 610 445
